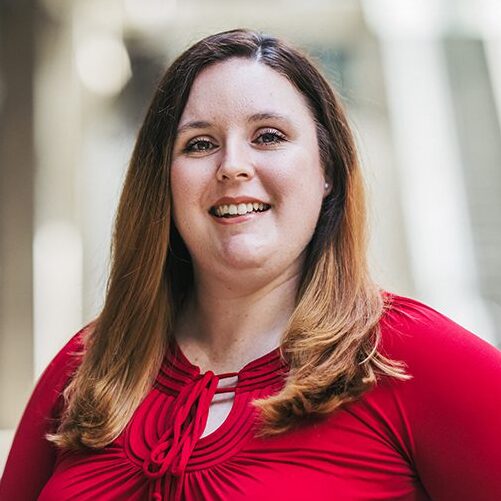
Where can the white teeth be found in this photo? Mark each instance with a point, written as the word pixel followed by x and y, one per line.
pixel 240 209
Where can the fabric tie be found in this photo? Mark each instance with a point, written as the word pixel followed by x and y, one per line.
pixel 175 446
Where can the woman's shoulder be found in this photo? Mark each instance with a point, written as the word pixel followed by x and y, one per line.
pixel 433 347
pixel 449 405
pixel 67 360
pixel 46 397
pixel 32 455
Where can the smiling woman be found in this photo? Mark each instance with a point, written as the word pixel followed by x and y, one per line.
pixel 246 136
pixel 243 351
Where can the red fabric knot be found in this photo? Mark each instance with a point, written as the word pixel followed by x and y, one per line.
pixel 175 446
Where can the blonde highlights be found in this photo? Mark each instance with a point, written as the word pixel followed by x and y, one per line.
pixel 331 343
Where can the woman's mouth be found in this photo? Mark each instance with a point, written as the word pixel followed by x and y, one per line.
pixel 235 210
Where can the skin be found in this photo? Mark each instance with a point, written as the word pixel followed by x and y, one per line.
pixel 245 131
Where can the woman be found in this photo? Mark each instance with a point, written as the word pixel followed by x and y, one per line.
pixel 243 351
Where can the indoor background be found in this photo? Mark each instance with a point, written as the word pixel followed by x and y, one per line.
pixel 421 80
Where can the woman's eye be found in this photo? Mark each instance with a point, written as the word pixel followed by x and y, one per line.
pixel 270 137
pixel 199 146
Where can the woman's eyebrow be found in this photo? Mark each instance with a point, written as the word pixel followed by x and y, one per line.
pixel 194 124
pixel 267 115
pixel 256 117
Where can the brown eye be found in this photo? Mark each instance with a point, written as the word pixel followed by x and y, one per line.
pixel 199 146
pixel 270 137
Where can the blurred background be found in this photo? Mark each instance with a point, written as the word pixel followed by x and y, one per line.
pixel 421 80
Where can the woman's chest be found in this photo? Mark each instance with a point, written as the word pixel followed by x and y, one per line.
pixel 345 457
pixel 294 472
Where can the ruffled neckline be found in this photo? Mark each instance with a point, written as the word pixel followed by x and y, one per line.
pixel 176 445
pixel 177 371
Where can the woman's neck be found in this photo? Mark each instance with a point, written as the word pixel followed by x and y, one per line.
pixel 223 328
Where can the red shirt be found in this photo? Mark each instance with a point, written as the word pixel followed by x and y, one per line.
pixel 437 436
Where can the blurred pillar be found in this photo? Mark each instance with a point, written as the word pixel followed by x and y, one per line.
pixel 479 135
pixel 17 158
pixel 57 239
pixel 433 195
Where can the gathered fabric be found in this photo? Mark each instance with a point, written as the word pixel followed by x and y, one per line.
pixel 173 450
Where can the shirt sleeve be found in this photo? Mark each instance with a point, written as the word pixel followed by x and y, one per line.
pixel 452 404
pixel 32 456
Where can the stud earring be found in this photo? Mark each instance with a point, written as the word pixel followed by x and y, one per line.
pixel 326 186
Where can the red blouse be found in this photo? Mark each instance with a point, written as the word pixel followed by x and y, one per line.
pixel 437 436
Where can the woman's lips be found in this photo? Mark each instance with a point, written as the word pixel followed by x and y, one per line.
pixel 240 218
pixel 233 210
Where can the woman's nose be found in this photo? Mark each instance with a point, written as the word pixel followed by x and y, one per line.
pixel 236 165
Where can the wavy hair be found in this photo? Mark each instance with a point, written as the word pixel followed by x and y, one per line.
pixel 331 342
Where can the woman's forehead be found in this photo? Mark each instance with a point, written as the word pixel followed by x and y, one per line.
pixel 242 89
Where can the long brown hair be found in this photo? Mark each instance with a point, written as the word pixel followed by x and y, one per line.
pixel 332 338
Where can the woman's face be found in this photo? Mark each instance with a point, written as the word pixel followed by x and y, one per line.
pixel 246 176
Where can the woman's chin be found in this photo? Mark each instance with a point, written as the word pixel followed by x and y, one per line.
pixel 244 259
pixel 251 263
pixel 239 254
pixel 244 250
